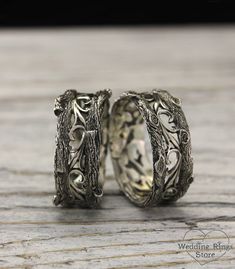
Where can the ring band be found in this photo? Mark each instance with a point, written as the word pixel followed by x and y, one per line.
pixel 170 175
pixel 81 147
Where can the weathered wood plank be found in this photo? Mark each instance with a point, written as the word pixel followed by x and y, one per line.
pixel 44 62
pixel 85 244
pixel 196 64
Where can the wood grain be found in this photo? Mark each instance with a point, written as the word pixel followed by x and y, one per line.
pixel 196 64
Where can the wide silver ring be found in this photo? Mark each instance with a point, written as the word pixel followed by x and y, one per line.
pixel 81 147
pixel 169 174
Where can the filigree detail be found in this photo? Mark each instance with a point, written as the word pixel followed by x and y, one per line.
pixel 81 147
pixel 170 143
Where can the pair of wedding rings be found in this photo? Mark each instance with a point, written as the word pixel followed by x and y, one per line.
pixel 85 130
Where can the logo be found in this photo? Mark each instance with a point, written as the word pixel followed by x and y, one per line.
pixel 205 246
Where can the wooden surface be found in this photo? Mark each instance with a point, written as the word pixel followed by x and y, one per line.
pixel 195 64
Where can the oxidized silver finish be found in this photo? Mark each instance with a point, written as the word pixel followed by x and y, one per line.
pixel 170 175
pixel 81 147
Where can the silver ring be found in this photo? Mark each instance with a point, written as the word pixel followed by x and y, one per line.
pixel 169 175
pixel 81 147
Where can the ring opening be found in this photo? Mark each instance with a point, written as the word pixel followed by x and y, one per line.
pixel 131 151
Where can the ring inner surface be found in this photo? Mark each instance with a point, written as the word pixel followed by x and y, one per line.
pixel 131 151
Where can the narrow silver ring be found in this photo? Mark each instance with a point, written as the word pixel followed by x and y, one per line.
pixel 81 147
pixel 169 175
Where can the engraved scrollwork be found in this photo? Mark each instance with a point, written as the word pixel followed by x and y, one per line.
pixel 170 144
pixel 81 147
